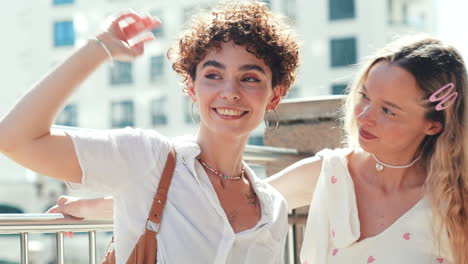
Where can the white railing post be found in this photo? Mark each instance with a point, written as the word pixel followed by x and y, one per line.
pixel 60 254
pixel 92 247
pixel 24 248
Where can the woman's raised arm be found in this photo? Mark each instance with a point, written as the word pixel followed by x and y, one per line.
pixel 25 131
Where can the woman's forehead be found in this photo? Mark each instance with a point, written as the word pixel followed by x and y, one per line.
pixel 231 55
pixel 390 82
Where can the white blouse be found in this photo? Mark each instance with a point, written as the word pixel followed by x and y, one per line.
pixel 333 225
pixel 127 163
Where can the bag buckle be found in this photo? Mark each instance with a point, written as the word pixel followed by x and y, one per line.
pixel 152 226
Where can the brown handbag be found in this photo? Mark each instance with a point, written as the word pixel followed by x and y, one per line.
pixel 146 248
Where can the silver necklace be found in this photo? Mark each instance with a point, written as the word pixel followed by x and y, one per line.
pixel 379 166
pixel 220 174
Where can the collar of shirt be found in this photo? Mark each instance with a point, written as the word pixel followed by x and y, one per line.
pixel 187 149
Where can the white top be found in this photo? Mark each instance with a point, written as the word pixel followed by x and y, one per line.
pixel 333 225
pixel 128 163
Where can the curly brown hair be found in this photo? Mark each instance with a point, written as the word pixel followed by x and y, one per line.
pixel 250 24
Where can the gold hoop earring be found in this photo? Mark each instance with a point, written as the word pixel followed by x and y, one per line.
pixel 194 119
pixel 267 123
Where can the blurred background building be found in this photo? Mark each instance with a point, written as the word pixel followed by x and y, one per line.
pixel 146 93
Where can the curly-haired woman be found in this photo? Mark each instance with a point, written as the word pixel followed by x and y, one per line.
pixel 237 62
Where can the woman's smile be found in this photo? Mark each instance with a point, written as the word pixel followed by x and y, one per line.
pixel 229 113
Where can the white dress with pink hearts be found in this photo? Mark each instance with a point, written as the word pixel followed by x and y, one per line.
pixel 333 226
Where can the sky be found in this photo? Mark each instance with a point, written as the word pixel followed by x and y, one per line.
pixel 453 24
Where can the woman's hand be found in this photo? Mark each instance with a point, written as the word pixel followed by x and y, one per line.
pixel 89 209
pixel 126 34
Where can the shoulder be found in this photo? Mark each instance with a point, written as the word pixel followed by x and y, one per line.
pixel 338 152
pixel 315 164
pixel 138 137
pixel 120 135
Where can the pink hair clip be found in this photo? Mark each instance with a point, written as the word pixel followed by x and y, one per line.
pixel 448 88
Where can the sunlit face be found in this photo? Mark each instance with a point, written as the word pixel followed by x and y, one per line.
pixel 233 89
pixel 389 113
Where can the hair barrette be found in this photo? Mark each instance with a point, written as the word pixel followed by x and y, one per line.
pixel 444 99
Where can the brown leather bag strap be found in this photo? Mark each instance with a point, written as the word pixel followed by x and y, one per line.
pixel 159 201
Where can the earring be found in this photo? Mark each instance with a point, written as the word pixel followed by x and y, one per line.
pixel 194 119
pixel 267 123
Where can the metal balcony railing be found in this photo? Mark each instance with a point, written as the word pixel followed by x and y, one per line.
pixel 25 224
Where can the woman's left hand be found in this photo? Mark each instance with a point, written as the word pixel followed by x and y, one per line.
pixel 126 34
pixel 89 209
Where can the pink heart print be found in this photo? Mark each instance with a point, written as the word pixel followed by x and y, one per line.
pixel 440 260
pixel 333 179
pixel 335 251
pixel 370 259
pixel 407 236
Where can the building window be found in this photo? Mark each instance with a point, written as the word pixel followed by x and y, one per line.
pixel 68 116
pixel 158 113
pixel 159 31
pixel 123 113
pixel 63 2
pixel 338 88
pixel 255 140
pixel 64 33
pixel 341 9
pixel 290 9
pixel 343 51
pixel 121 73
pixel 156 68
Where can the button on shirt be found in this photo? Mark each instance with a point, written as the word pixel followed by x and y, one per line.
pixel 128 163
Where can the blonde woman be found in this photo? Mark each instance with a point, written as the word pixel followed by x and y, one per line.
pixel 399 192
pixel 237 62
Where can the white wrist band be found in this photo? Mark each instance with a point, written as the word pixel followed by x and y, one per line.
pixel 106 49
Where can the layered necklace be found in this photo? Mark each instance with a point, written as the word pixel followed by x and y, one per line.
pixel 379 166
pixel 220 174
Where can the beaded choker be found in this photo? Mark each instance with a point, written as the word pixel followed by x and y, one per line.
pixel 220 174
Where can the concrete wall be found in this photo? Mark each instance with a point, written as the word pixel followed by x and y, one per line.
pixel 308 125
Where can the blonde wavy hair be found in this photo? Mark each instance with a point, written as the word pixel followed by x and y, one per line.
pixel 445 154
pixel 251 24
